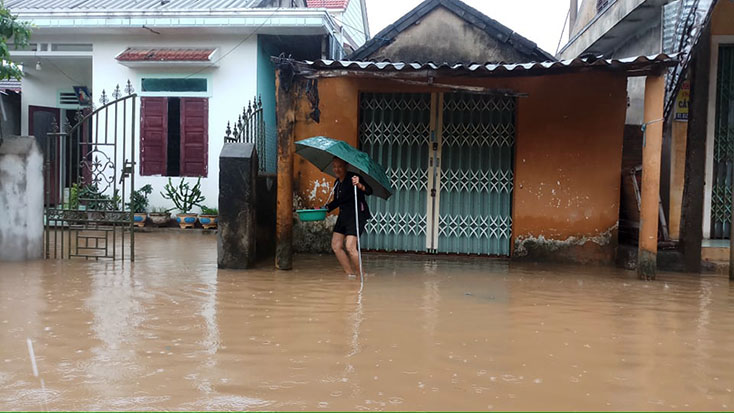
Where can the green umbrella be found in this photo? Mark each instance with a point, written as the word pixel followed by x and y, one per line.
pixel 321 151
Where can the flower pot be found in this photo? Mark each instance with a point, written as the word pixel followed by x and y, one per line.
pixel 160 219
pixel 208 221
pixel 139 219
pixel 186 220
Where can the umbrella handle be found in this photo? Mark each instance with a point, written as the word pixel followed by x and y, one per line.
pixel 359 246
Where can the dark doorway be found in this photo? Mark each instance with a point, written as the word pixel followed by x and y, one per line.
pixel 42 121
pixel 173 163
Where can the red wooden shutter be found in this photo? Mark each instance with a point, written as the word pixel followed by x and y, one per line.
pixel 194 136
pixel 153 135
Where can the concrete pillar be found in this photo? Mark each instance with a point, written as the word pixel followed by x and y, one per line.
pixel 651 157
pixel 691 221
pixel 286 115
pixel 21 199
pixel 236 235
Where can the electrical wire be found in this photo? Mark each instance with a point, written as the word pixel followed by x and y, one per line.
pixel 212 64
pixel 560 39
pixel 49 61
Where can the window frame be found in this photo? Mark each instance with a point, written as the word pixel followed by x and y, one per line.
pixel 164 143
pixel 206 94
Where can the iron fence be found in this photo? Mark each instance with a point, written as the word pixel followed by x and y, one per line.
pixel 250 128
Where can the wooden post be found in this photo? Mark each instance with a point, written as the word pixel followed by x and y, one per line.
pixel 651 157
pixel 286 115
pixel 691 225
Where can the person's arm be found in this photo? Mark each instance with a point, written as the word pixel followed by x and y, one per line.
pixel 337 202
pixel 361 185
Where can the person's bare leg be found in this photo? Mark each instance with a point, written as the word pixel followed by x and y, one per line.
pixel 337 244
pixel 353 251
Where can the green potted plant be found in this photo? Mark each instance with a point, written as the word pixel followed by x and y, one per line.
pixel 74 212
pixel 139 205
pixel 185 197
pixel 208 217
pixel 90 199
pixel 159 216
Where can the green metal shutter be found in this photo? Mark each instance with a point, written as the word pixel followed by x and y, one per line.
pixel 475 191
pixel 394 130
pixel 450 158
pixel 723 145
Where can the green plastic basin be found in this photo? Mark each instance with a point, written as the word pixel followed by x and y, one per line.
pixel 311 214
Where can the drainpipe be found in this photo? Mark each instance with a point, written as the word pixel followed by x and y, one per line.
pixel 572 16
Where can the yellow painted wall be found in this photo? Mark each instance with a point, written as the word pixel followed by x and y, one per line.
pixel 722 20
pixel 568 148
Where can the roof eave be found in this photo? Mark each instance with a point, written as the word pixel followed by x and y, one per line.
pixel 246 18
pixel 634 66
pixel 168 63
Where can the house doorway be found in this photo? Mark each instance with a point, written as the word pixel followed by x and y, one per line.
pixel 42 121
pixel 450 158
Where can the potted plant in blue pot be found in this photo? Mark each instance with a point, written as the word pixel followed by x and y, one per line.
pixel 208 217
pixel 139 205
pixel 185 198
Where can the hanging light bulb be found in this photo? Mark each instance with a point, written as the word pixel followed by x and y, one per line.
pixel 38 66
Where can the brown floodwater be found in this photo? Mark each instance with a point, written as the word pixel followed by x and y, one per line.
pixel 171 332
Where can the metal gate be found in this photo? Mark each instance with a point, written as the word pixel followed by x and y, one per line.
pixel 91 216
pixel 450 158
pixel 723 145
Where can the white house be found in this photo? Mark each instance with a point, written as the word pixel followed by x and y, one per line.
pixel 193 63
pixel 351 15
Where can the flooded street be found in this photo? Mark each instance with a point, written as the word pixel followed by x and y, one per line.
pixel 170 331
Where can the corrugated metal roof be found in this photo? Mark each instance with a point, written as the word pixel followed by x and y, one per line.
pixel 674 16
pixel 152 5
pixel 641 64
pixel 165 55
pixel 327 4
pixel 10 84
pixel 689 24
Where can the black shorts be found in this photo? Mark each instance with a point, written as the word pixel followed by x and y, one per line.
pixel 347 226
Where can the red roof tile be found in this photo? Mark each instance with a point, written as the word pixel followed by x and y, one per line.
pixel 327 4
pixel 165 55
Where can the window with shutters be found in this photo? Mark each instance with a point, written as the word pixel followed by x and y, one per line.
pixel 174 136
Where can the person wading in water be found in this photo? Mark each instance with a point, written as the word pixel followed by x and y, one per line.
pixel 345 229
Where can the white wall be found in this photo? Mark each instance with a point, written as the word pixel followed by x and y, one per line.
pixel 40 88
pixel 354 20
pixel 232 83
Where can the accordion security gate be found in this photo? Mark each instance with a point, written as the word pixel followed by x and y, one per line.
pixel 723 145
pixel 449 156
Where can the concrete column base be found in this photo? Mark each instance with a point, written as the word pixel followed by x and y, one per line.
pixel 237 205
pixel 646 265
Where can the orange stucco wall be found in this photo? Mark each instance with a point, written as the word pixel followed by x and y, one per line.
pixel 568 151
pixel 722 20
